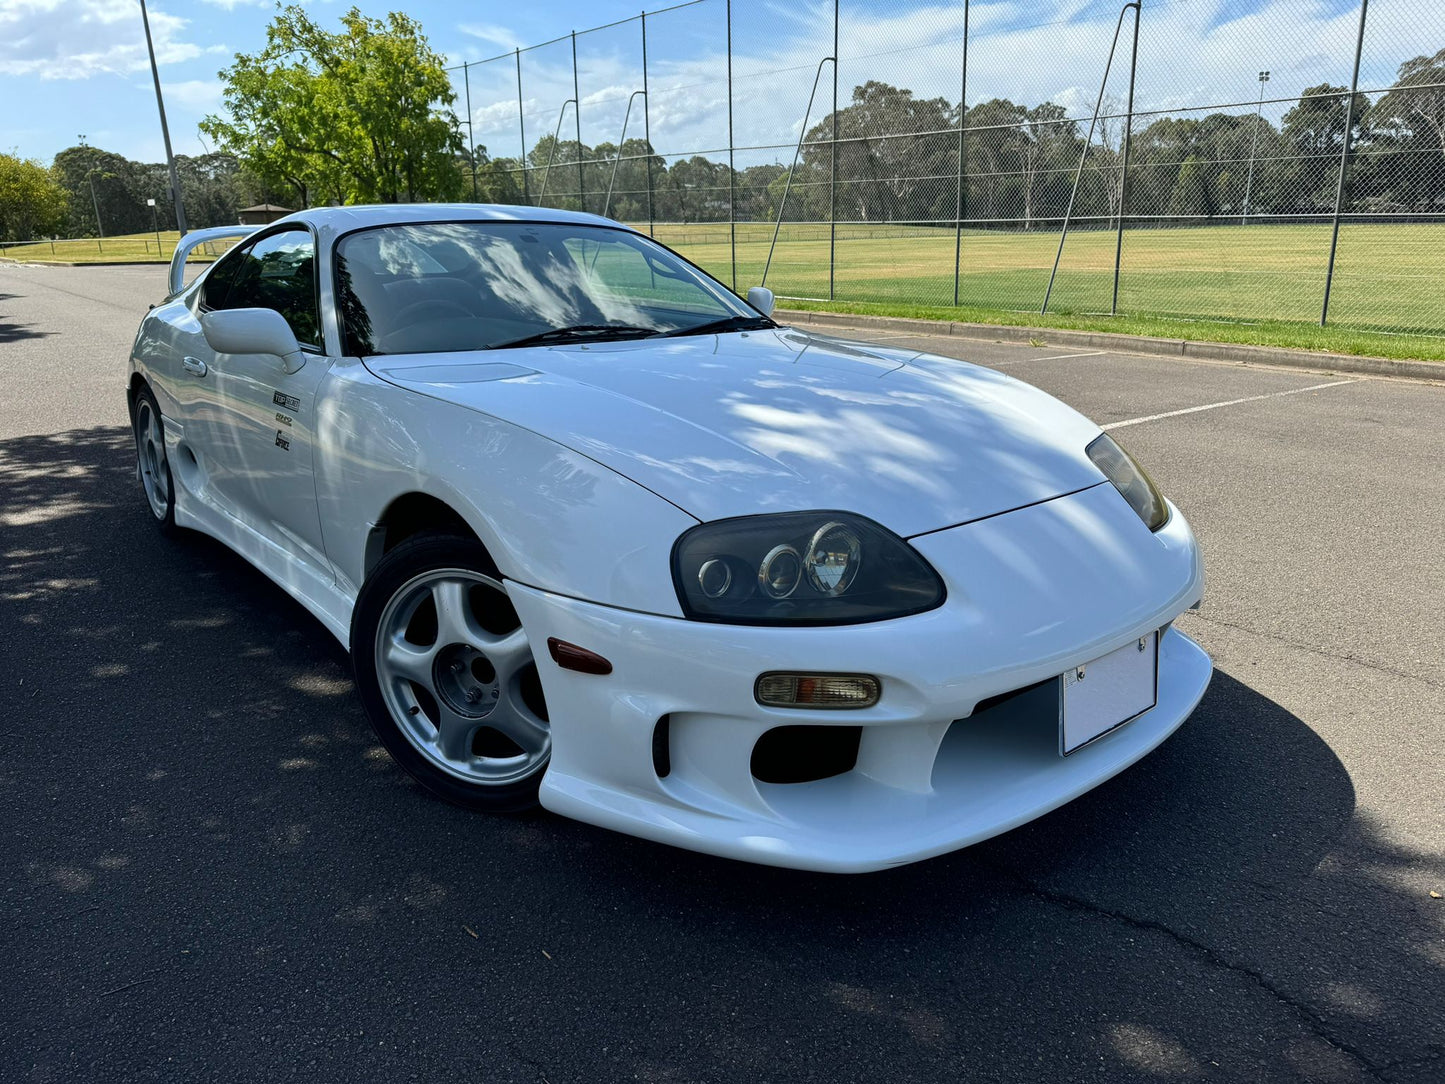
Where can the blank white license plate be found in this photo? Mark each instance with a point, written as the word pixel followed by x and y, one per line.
pixel 1101 695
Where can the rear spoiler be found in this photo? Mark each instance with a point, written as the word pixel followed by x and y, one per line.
pixel 194 240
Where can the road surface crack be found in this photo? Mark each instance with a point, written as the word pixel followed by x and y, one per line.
pixel 1306 1014
pixel 1355 659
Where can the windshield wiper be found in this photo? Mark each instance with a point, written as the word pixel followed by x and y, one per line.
pixel 727 323
pixel 579 332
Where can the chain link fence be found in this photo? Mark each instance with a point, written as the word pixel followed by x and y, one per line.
pixel 1241 160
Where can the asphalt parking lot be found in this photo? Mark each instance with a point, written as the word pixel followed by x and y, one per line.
pixel 212 872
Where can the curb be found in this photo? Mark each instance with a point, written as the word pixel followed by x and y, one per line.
pixel 83 263
pixel 1240 353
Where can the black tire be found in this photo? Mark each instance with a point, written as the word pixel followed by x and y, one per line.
pixel 395 575
pixel 153 468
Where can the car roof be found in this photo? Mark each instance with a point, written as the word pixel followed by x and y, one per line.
pixel 333 221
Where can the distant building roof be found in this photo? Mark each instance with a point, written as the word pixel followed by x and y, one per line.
pixel 268 207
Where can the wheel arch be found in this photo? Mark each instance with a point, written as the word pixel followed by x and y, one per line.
pixel 410 514
pixel 133 390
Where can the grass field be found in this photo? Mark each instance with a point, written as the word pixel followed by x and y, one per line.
pixel 135 247
pixel 1253 284
pixel 1259 284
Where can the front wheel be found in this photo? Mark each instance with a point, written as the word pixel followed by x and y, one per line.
pixel 154 469
pixel 446 674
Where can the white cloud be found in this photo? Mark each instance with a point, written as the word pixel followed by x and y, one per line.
pixel 75 39
pixel 197 95
pixel 492 34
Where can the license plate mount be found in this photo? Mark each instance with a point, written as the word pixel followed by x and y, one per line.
pixel 1098 697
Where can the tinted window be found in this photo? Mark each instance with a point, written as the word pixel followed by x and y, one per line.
pixel 482 285
pixel 218 282
pixel 279 272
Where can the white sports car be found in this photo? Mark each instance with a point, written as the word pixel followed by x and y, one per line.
pixel 600 535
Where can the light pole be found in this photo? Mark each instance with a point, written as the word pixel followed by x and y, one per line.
pixel 155 225
pixel 1253 146
pixel 90 179
pixel 165 131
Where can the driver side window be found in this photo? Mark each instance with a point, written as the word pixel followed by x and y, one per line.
pixel 277 272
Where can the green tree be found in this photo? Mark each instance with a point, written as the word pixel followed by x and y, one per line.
pixel 115 182
pixel 892 148
pixel 32 200
pixel 1314 132
pixel 1406 166
pixel 1192 193
pixel 360 115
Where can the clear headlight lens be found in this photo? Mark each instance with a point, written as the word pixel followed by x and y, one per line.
pixel 1130 479
pixel 800 568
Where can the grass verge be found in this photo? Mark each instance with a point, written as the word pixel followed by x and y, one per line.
pixel 1286 334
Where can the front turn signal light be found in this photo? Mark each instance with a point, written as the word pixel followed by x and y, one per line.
pixel 833 691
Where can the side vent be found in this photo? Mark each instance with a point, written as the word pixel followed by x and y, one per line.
pixel 662 747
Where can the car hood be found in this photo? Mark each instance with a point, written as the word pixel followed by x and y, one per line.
pixel 781 420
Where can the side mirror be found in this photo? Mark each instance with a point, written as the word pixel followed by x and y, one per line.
pixel 761 298
pixel 253 331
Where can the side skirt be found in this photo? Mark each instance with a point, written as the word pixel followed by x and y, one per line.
pixel 312 588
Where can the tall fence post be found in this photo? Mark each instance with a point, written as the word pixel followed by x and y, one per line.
pixel 732 173
pixel 556 140
pixel 962 125
pixel 471 135
pixel 1079 173
pixel 577 115
pixel 1124 166
pixel 617 158
pixel 1344 161
pixel 647 131
pixel 833 168
pixel 522 130
pixel 788 186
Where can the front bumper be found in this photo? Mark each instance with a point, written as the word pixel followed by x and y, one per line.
pixel 1031 593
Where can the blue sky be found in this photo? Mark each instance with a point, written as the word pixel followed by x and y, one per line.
pixel 78 66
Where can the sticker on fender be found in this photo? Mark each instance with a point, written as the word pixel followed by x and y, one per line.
pixel 1108 692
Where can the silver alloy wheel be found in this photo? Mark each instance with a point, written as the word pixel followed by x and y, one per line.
pixel 461 699
pixel 151 448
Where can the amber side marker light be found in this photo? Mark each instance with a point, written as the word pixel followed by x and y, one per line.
pixel 571 657
pixel 835 691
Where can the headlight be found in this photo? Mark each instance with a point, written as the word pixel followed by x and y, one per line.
pixel 800 568
pixel 1130 480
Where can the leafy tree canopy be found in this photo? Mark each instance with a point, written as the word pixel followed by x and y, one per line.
pixel 32 202
pixel 359 115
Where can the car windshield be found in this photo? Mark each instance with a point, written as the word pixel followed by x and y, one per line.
pixel 449 286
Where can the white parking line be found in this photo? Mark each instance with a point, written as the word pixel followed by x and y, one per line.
pixel 1051 357
pixel 1227 402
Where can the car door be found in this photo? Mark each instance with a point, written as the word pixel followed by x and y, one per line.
pixel 258 425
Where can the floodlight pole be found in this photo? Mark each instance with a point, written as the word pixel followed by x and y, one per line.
pixel 1253 148
pixel 165 131
pixel 90 179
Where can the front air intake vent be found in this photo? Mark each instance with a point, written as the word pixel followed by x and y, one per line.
pixel 802 754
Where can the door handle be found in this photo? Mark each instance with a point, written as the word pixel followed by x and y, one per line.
pixel 195 366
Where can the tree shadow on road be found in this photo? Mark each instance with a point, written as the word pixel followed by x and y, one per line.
pixel 192 784
pixel 12 332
